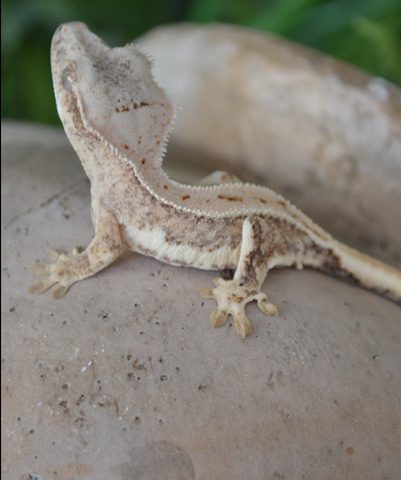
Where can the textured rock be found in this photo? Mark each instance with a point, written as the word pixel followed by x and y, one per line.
pixel 124 378
pixel 321 132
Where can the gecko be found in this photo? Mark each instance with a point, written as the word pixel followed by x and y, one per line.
pixel 118 120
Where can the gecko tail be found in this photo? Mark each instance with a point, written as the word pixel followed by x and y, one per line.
pixel 365 271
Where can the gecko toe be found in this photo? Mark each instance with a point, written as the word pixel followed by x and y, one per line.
pixel 269 309
pixel 55 254
pixel 41 268
pixel 42 287
pixel 218 281
pixel 242 324
pixel 205 292
pixel 266 306
pixel 218 318
pixel 60 291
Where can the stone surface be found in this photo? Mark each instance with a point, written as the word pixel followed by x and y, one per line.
pixel 124 378
pixel 323 133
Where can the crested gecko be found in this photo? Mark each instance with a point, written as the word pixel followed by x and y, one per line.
pixel 117 119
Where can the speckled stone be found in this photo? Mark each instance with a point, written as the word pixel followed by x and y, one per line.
pixel 124 378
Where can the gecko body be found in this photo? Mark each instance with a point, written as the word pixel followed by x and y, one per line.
pixel 118 119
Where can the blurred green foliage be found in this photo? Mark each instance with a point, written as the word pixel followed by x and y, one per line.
pixel 364 32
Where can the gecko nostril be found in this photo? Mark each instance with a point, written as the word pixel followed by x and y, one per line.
pixel 69 76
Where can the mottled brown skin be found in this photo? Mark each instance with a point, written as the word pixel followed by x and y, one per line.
pixel 118 119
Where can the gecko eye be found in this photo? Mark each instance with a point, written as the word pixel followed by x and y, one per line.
pixel 69 76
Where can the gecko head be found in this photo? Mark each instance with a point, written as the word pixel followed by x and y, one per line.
pixel 112 90
pixel 70 43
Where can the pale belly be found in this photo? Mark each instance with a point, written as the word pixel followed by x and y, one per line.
pixel 154 242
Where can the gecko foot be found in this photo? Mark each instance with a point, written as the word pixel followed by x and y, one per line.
pixel 232 298
pixel 59 272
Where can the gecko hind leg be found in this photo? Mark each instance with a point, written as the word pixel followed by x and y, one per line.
pixel 70 268
pixel 219 177
pixel 233 295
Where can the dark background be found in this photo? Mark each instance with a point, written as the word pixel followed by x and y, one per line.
pixel 364 32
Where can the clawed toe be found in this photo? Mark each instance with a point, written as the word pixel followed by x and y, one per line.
pixel 266 306
pixel 41 269
pixel 218 281
pixel 205 292
pixel 242 324
pixel 218 318
pixel 60 291
pixel 42 287
pixel 55 254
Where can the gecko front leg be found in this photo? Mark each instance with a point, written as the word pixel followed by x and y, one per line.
pixel 68 269
pixel 233 295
